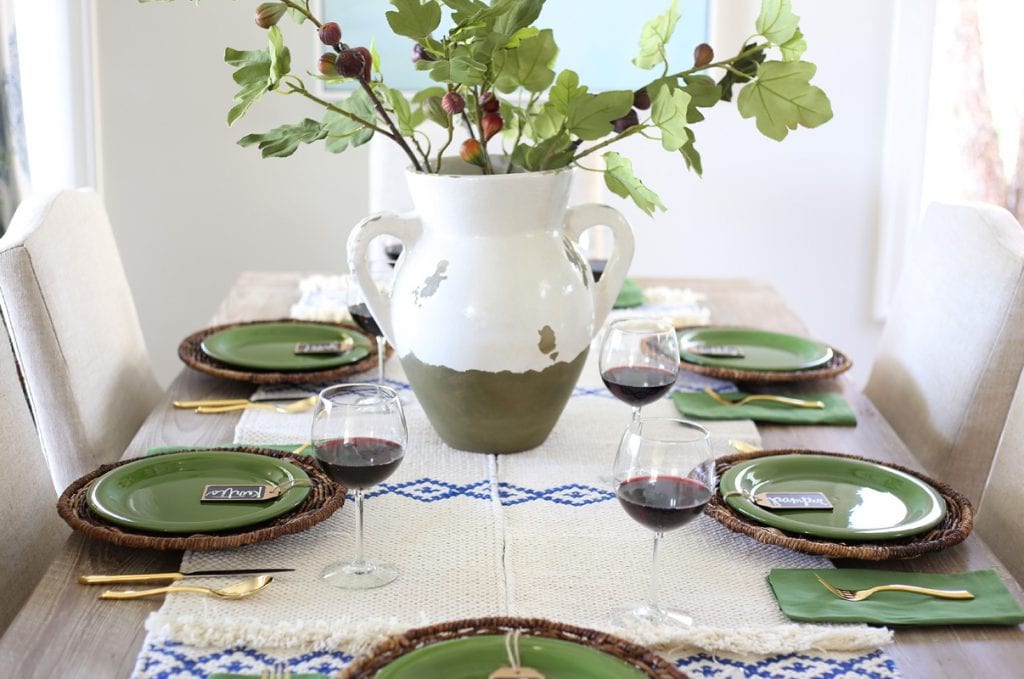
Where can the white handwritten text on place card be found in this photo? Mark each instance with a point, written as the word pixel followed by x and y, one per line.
pixel 239 492
pixel 808 500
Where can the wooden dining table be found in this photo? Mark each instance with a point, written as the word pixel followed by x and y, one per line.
pixel 65 631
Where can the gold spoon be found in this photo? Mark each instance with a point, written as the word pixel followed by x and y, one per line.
pixel 796 402
pixel 295 407
pixel 236 591
pixel 743 446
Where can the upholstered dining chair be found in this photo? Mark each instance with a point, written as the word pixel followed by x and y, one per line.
pixel 75 332
pixel 998 517
pixel 952 348
pixel 30 529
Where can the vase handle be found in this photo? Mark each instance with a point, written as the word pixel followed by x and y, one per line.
pixel 578 219
pixel 406 228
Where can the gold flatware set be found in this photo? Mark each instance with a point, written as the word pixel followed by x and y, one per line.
pixel 238 590
pixel 231 405
pixel 862 594
pixel 785 400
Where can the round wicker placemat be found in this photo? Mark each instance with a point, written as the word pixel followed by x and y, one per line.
pixel 837 365
pixel 325 497
pixel 190 351
pixel 954 529
pixel 388 650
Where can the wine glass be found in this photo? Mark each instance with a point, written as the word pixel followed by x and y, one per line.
pixel 664 474
pixel 359 437
pixel 381 274
pixel 639 360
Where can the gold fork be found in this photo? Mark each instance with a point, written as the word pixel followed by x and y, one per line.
pixel 797 402
pixel 861 594
pixel 293 407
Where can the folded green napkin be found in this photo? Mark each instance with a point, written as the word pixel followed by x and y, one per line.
pixel 630 295
pixel 700 405
pixel 287 447
pixel 801 597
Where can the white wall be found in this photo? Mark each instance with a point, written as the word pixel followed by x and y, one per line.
pixel 191 210
pixel 801 213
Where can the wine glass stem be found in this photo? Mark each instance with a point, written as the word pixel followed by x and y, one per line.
pixel 381 347
pixel 652 594
pixel 359 561
pixel 636 414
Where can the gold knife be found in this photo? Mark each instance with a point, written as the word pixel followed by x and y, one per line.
pixel 210 402
pixel 172 577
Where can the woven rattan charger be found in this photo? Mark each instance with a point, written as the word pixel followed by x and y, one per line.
pixel 954 529
pixel 190 351
pixel 394 647
pixel 837 365
pixel 325 497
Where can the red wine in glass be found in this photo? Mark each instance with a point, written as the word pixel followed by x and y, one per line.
pixel 662 503
pixel 664 475
pixel 638 385
pixel 392 252
pixel 359 462
pixel 364 319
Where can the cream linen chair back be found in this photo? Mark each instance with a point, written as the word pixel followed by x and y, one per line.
pixel 30 529
pixel 74 329
pixel 998 518
pixel 952 348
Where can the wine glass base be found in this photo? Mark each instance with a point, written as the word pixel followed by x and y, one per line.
pixel 361 575
pixel 645 614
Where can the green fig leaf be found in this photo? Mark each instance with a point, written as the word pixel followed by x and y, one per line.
pixel 794 48
pixel 620 180
pixel 591 117
pixel 413 18
pixel 528 65
pixel 283 141
pixel 668 111
pixel 776 22
pixel 655 35
pixel 782 98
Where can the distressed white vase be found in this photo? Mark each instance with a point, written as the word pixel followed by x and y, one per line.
pixel 493 307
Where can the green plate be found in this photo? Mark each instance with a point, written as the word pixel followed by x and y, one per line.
pixel 271 346
pixel 630 295
pixel 477 657
pixel 161 493
pixel 871 501
pixel 762 350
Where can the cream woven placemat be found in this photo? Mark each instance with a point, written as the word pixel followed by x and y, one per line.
pixel 532 534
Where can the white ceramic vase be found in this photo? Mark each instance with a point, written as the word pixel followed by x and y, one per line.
pixel 493 307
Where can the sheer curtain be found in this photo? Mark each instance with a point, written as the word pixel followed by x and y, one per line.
pixel 13 156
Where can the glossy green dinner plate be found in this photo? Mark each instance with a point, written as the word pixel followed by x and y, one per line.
pixel 162 493
pixel 477 657
pixel 271 346
pixel 762 350
pixel 870 501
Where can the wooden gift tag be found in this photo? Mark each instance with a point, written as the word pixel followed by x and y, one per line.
pixel 516 671
pixel 805 500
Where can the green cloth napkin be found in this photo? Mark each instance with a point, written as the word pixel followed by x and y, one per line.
pixel 801 597
pixel 227 446
pixel 700 405
pixel 630 295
